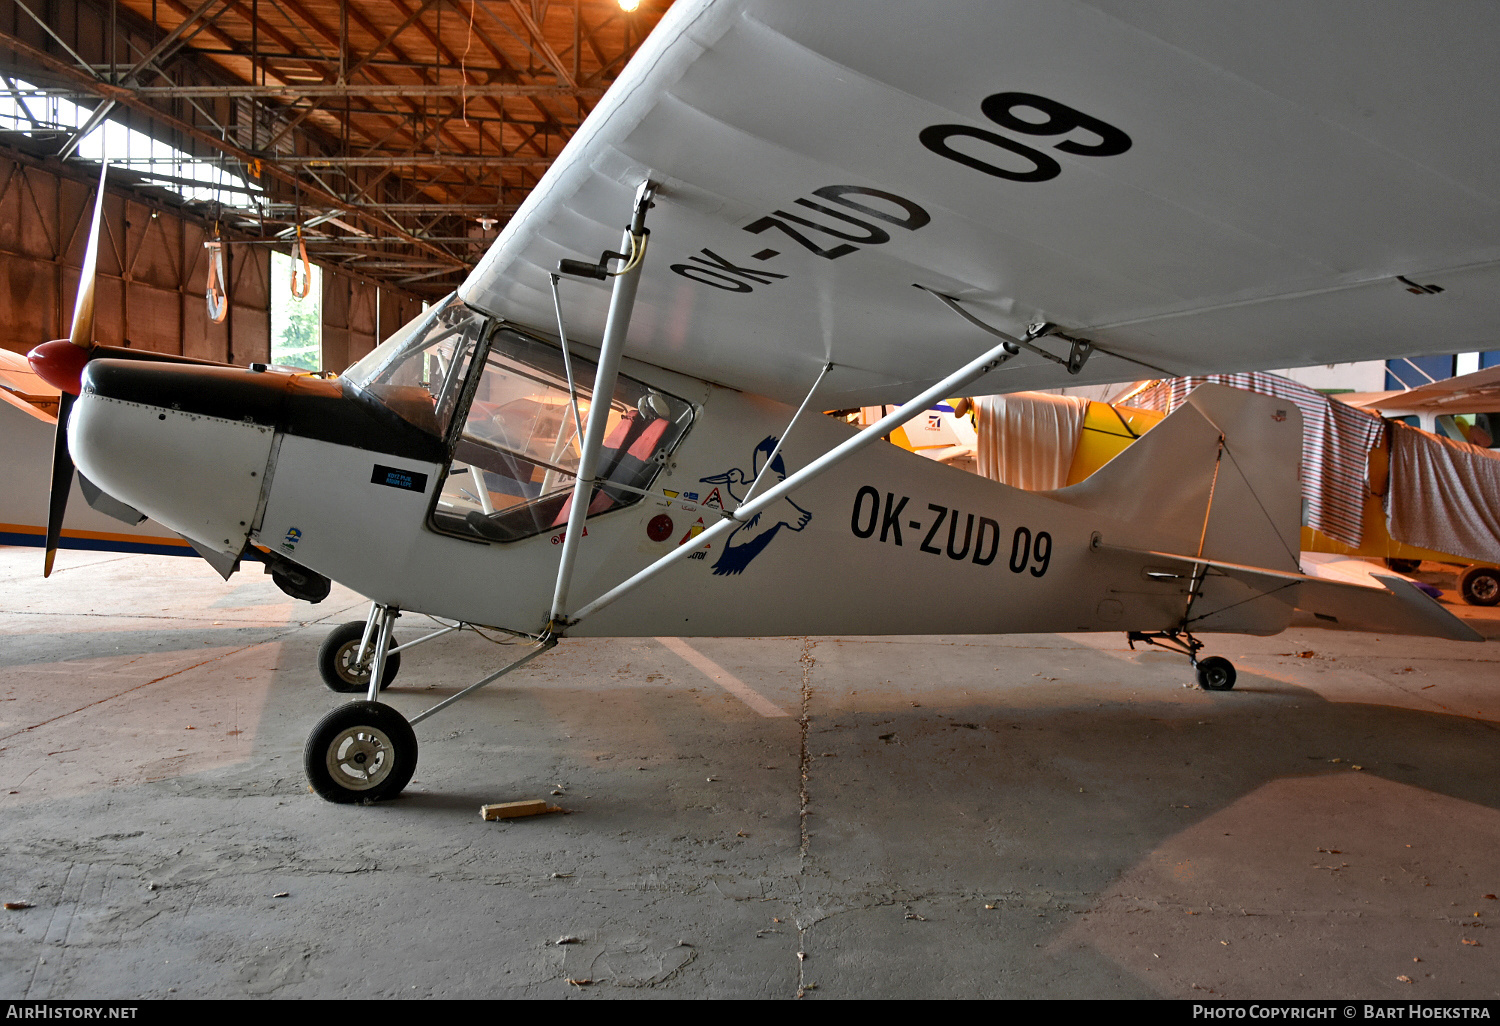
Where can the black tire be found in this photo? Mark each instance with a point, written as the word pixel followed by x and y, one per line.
pixel 1480 586
pixel 1215 674
pixel 1403 566
pixel 336 660
pixel 360 752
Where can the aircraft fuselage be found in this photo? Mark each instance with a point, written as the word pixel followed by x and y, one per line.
pixel 884 543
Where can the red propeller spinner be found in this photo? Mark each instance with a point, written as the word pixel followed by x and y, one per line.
pixel 60 364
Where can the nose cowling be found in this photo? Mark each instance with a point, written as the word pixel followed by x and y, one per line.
pixel 189 446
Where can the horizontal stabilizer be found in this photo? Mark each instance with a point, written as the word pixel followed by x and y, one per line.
pixel 1348 592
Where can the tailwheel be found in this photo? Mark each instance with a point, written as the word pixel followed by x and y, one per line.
pixel 336 663
pixel 1215 673
pixel 360 752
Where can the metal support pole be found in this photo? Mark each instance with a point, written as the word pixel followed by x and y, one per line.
pixel 621 303
pixel 782 440
pixel 953 384
pixel 562 336
pixel 447 629
pixel 382 645
pixel 481 490
pixel 364 639
pixel 544 646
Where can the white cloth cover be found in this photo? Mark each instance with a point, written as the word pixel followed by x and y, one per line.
pixel 1443 495
pixel 1028 439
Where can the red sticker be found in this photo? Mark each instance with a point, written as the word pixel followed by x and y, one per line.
pixel 660 528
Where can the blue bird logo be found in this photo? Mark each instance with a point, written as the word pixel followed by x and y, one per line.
pixel 750 538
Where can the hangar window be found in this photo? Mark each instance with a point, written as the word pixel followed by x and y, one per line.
pixel 515 461
pixel 296 322
pixel 40 113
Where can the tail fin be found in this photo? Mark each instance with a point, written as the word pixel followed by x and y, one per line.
pixel 1218 478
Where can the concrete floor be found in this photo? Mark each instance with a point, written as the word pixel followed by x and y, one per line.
pixel 1028 816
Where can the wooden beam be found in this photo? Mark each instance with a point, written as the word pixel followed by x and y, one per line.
pixel 540 39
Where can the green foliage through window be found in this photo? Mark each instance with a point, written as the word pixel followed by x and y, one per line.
pixel 296 324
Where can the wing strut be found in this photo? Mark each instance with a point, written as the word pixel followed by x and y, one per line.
pixel 621 303
pixel 782 440
pixel 562 335
pixel 953 384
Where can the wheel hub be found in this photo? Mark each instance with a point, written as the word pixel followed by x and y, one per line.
pixel 358 673
pixel 360 758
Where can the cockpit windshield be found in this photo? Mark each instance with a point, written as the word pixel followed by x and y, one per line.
pixel 514 465
pixel 418 372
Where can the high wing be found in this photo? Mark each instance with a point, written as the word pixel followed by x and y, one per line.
pixel 1192 187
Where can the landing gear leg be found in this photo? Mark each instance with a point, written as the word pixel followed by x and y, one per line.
pixel 363 751
pixel 344 657
pixel 366 751
pixel 385 620
pixel 1215 673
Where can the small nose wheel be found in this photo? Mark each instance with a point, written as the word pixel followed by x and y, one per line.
pixel 360 752
pixel 336 660
pixel 1215 674
pixel 1480 586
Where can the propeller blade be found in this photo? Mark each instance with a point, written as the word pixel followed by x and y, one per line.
pixel 63 371
pixel 62 480
pixel 82 332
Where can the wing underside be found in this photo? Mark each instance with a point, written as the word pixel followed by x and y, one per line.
pixel 1191 187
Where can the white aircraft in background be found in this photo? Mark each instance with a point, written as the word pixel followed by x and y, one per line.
pixel 851 204
pixel 1465 408
pixel 28 423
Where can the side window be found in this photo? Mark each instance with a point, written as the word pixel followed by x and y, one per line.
pixel 516 459
pixel 1481 429
pixel 1486 430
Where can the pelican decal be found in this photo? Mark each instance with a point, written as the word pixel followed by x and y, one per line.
pixel 747 541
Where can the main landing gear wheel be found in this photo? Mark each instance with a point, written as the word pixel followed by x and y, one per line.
pixel 360 752
pixel 1215 674
pixel 336 660
pixel 1480 586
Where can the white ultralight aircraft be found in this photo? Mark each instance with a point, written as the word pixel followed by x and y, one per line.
pixel 852 203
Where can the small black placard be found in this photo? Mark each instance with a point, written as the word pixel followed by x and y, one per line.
pixel 394 477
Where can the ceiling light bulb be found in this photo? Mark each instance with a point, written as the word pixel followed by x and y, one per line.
pixel 629 6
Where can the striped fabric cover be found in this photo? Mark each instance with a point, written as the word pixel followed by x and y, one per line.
pixel 1336 444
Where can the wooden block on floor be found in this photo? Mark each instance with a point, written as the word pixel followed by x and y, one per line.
pixel 512 810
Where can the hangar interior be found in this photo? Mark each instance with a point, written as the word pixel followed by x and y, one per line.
pixel 392 140
pixel 1030 816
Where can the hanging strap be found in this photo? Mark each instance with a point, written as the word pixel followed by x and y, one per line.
pixel 216 293
pixel 301 288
